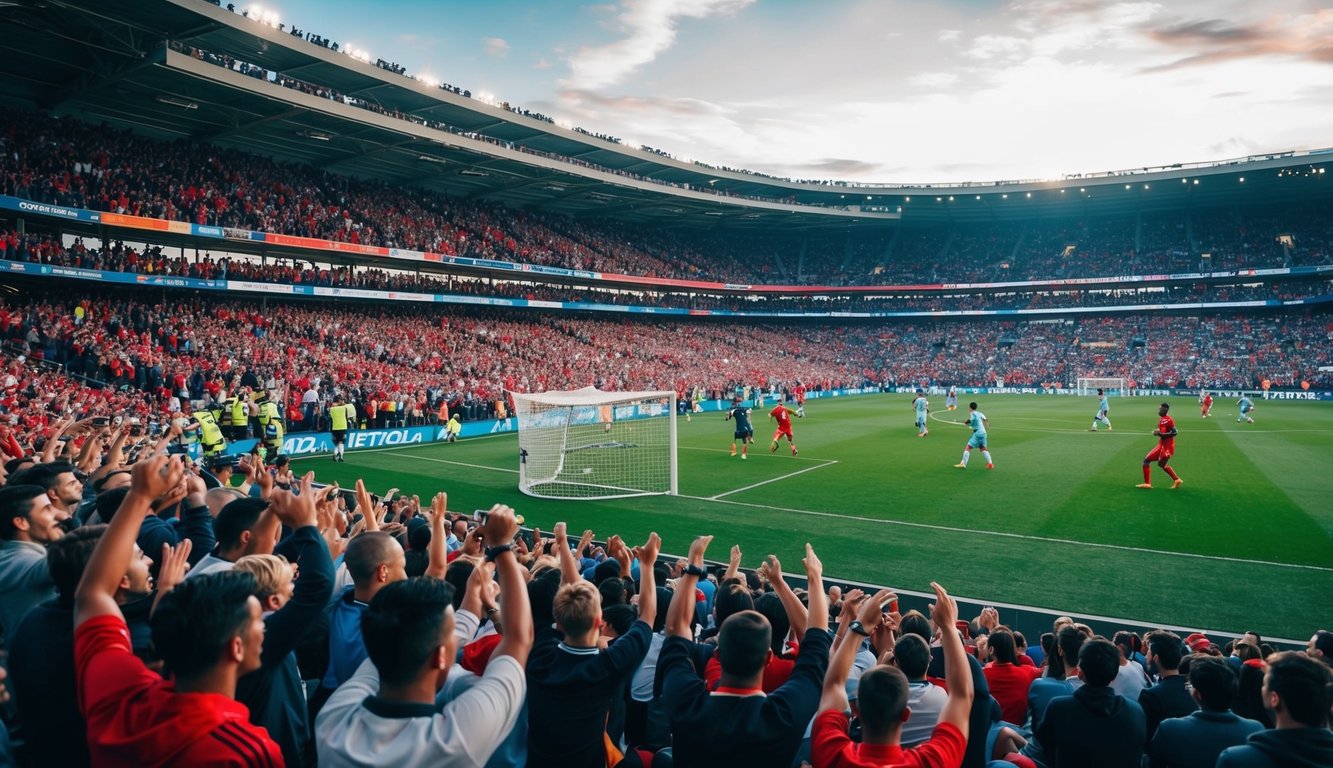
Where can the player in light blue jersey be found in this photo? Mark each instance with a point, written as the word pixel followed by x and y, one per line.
pixel 1244 407
pixel 1103 413
pixel 922 406
pixel 978 422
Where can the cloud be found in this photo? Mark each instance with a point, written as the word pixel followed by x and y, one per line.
pixel 950 35
pixel 1307 36
pixel 542 64
pixel 590 101
pixel 836 168
pixel 496 47
pixel 935 80
pixel 649 29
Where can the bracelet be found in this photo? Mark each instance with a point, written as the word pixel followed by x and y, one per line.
pixel 694 570
pixel 492 611
pixel 493 552
pixel 858 628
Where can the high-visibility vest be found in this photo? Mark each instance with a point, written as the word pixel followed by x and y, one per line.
pixel 338 418
pixel 238 411
pixel 211 433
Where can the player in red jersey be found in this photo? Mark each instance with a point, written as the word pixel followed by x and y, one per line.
pixel 783 414
pixel 799 393
pixel 1205 403
pixel 1166 447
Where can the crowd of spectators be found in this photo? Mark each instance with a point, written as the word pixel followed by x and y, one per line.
pixel 65 162
pixel 153 260
pixel 178 352
pixel 158 611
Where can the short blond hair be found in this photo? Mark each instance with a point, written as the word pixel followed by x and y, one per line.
pixel 577 607
pixel 270 571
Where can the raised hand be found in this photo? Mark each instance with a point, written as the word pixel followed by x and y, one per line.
pixel 814 568
pixel 647 554
pixel 944 611
pixel 155 476
pixel 697 549
pixel 499 527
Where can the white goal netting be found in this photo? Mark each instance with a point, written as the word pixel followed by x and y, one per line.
pixel 1113 387
pixel 590 444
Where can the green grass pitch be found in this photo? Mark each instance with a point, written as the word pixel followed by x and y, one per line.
pixel 1245 544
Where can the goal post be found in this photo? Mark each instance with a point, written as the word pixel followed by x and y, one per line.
pixel 1113 387
pixel 590 444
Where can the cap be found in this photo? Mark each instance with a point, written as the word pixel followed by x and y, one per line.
pixel 1198 642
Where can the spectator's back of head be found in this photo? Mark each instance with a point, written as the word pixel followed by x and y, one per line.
pixel 374 556
pixel 613 593
pixel 207 620
pixel 1300 686
pixel 911 654
pixel 1068 642
pixel 881 699
pixel 915 623
pixel 743 644
pixel 732 598
pixel 770 605
pixel 14 466
pixel 408 625
pixel 1002 646
pixel 1098 661
pixel 1213 681
pixel 577 608
pixel 236 521
pixel 68 556
pixel 619 617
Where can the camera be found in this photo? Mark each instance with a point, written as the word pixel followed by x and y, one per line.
pixel 479 516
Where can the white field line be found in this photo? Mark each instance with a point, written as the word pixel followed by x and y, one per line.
pixel 827 463
pixel 1021 536
pixel 1018 427
pixel 455 463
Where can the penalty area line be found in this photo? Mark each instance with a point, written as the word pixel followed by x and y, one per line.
pixel 718 497
pixel 409 456
pixel 1005 534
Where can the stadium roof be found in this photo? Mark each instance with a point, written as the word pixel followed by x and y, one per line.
pixel 130 64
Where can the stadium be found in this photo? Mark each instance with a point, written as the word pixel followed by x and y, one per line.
pixel 225 237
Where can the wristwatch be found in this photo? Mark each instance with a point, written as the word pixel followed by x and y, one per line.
pixel 859 628
pixel 694 570
pixel 494 552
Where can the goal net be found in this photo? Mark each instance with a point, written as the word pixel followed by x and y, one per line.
pixel 1111 386
pixel 590 444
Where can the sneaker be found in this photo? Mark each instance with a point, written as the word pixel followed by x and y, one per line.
pixel 1092 429
pixel 960 466
pixel 733 453
pixel 1177 483
pixel 793 451
pixel 743 457
pixel 773 448
pixel 990 466
pixel 1110 429
pixel 1144 485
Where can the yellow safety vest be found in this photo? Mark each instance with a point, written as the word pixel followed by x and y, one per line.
pixel 212 434
pixel 238 411
pixel 338 418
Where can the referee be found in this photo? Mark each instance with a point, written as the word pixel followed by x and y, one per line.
pixel 341 415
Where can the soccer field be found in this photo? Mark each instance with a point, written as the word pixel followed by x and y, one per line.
pixel 1245 544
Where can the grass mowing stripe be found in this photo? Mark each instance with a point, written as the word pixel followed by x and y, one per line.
pixel 1004 534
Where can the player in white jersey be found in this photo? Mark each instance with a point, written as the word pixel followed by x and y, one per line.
pixel 1103 413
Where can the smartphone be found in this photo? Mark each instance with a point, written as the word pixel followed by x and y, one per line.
pixel 479 516
pixel 101 421
pixel 177 450
pixel 890 606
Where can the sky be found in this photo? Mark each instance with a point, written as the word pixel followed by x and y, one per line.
pixel 882 90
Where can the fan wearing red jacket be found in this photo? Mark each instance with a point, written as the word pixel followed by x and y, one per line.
pixel 1166 448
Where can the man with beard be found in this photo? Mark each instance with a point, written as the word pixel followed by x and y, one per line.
pixel 29 521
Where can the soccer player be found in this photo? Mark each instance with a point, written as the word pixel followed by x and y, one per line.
pixel 922 406
pixel 951 399
pixel 1244 407
pixel 978 422
pixel 1103 412
pixel 1205 402
pixel 1166 447
pixel 783 414
pixel 799 392
pixel 744 429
